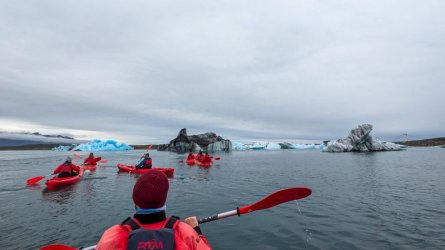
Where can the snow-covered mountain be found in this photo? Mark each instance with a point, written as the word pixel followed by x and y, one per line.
pixel 24 138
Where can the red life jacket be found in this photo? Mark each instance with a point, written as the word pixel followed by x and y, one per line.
pixel 65 169
pixel 149 239
pixel 147 163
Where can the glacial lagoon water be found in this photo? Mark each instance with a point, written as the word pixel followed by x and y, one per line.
pixel 387 200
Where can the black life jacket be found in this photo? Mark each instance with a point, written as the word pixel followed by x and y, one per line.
pixel 146 239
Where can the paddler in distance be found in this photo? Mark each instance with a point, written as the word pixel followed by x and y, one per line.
pixel 146 163
pixel 90 160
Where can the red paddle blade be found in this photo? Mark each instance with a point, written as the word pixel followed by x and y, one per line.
pixel 281 196
pixel 77 156
pixel 57 247
pixel 34 180
pixel 103 161
pixel 149 147
pixel 217 158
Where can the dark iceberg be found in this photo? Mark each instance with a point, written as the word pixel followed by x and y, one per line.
pixel 209 142
pixel 360 140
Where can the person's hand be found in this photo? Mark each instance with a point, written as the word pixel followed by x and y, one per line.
pixel 192 221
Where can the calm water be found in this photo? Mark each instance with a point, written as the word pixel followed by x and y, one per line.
pixel 389 200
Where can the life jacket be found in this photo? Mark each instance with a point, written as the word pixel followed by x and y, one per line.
pixel 147 239
pixel 147 163
pixel 206 159
pixel 66 168
pixel 90 161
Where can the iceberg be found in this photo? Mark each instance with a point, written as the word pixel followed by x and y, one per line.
pixel 309 146
pixel 209 142
pixel 61 148
pixel 360 140
pixel 239 146
pixel 274 146
pixel 257 145
pixel 98 145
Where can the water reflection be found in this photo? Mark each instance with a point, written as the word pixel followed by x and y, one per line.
pixel 33 186
pixel 61 195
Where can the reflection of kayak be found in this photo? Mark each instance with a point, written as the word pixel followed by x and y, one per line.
pixel 57 182
pixel 202 164
pixel 125 168
pixel 90 167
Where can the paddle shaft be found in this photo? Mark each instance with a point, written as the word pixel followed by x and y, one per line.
pixel 219 216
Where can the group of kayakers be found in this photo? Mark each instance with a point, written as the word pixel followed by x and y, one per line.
pixel 149 228
pixel 204 158
pixel 68 169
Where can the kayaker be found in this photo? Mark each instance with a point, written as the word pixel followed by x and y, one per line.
pixel 207 158
pixel 190 157
pixel 90 160
pixel 67 169
pixel 149 228
pixel 199 156
pixel 145 163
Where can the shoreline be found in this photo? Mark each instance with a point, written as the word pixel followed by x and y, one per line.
pixel 51 146
pixel 432 142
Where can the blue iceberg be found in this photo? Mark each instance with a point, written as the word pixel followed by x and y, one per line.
pixel 98 145
pixel 239 146
pixel 308 146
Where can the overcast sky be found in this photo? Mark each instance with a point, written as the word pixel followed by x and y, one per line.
pixel 139 71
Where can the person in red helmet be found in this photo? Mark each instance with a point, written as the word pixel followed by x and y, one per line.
pixel 67 169
pixel 150 228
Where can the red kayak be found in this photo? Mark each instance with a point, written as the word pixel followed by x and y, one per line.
pixel 89 167
pixel 57 182
pixel 202 164
pixel 126 168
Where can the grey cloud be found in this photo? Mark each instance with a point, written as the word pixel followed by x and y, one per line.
pixel 287 69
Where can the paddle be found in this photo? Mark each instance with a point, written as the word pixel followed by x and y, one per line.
pixel 281 196
pixel 274 199
pixel 34 180
pixel 77 156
